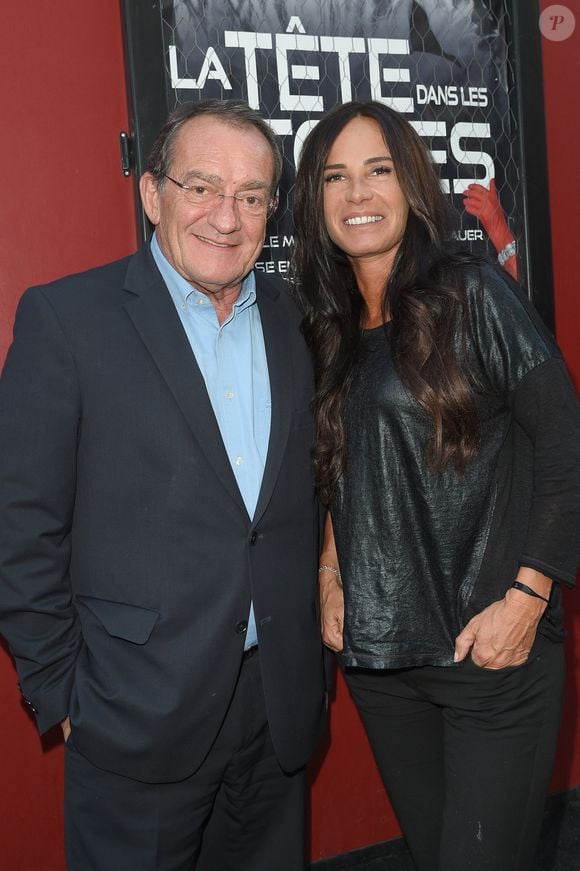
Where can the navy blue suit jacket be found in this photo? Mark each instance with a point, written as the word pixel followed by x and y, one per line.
pixel 127 557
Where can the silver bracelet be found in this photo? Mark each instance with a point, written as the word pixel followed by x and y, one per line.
pixel 509 251
pixel 332 569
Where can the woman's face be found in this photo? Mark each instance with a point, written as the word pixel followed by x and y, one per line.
pixel 364 207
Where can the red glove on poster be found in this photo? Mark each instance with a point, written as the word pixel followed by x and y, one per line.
pixel 484 205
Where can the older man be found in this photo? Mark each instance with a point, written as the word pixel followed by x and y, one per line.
pixel 158 525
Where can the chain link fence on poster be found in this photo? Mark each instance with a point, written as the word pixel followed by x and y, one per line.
pixel 442 63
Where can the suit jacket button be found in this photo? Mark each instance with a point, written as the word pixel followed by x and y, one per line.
pixel 253 537
pixel 241 627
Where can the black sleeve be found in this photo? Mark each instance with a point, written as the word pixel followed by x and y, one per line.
pixel 39 425
pixel 507 336
pixel 544 404
pixel 517 359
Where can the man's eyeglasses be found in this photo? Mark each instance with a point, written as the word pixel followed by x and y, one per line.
pixel 202 193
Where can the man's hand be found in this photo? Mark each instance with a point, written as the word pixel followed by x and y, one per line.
pixel 331 610
pixel 65 726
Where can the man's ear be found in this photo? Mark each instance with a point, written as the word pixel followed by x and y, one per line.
pixel 150 197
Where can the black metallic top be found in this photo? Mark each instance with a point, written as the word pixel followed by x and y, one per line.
pixel 419 553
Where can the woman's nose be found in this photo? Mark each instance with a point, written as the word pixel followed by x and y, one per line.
pixel 358 190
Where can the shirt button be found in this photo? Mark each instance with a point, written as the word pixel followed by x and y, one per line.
pixel 241 627
pixel 230 394
pixel 253 538
pixel 239 461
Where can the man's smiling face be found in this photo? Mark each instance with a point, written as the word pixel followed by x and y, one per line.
pixel 213 247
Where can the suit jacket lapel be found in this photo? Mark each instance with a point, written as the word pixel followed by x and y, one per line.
pixel 279 355
pixel 153 313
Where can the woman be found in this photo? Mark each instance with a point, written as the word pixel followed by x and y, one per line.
pixel 447 450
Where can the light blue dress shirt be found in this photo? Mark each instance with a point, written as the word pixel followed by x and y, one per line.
pixel 232 360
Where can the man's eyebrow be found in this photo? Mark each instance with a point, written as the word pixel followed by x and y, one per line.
pixel 204 176
pixel 257 184
pixel 217 181
pixel 369 160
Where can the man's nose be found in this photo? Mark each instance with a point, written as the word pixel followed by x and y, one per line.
pixel 225 215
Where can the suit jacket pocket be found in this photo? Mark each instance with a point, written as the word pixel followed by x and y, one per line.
pixel 130 622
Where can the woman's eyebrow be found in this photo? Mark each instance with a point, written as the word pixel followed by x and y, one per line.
pixel 365 162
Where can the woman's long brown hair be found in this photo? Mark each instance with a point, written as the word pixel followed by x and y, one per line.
pixel 423 295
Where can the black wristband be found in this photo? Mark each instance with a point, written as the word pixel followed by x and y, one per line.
pixel 525 589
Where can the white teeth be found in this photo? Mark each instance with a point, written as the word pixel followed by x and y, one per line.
pixel 364 219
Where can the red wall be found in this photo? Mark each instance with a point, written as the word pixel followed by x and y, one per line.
pixel 562 103
pixel 66 207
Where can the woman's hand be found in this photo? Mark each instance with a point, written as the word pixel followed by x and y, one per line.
pixel 331 610
pixel 503 633
pixel 331 594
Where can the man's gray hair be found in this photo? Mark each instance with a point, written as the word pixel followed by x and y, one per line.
pixel 237 113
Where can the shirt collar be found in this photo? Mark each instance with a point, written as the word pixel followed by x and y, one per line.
pixel 181 290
